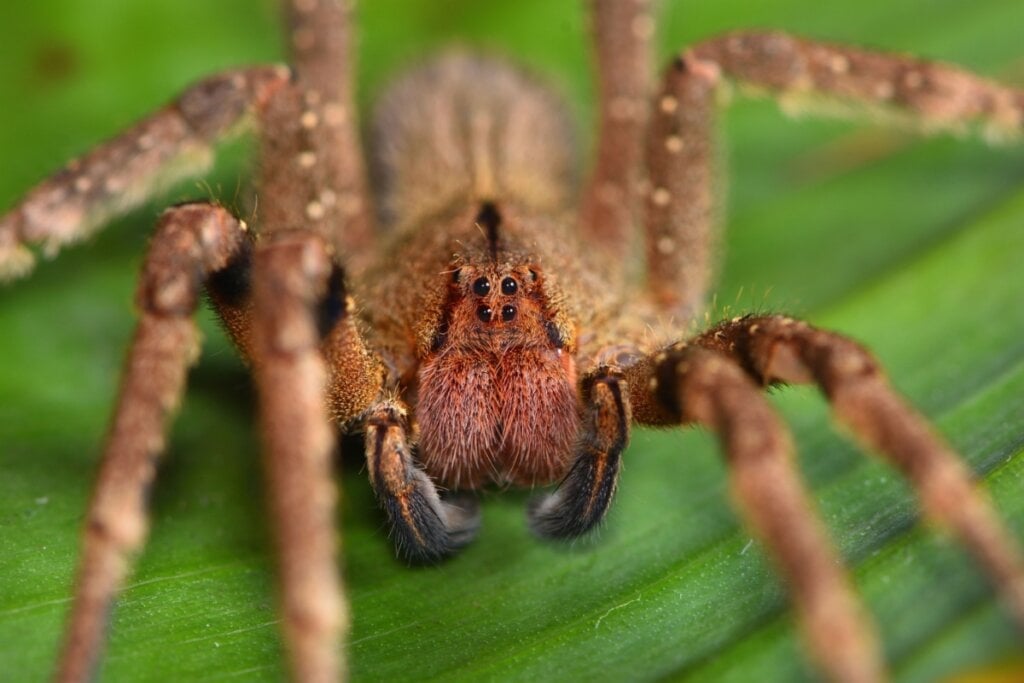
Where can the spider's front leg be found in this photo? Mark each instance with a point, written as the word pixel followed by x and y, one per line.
pixel 687 384
pixel 705 387
pixel 714 381
pixel 300 317
pixel 191 242
pixel 779 349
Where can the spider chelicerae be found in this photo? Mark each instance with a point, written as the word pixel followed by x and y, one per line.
pixel 493 219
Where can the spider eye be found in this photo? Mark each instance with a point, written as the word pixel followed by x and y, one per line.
pixel 481 286
pixel 484 313
pixel 508 313
pixel 509 286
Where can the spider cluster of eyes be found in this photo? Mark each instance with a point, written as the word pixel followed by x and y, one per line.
pixel 482 288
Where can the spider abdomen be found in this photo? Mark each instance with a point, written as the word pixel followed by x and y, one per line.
pixel 467 126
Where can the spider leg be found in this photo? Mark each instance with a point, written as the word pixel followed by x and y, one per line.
pixel 688 384
pixel 191 242
pixel 311 191
pixel 780 349
pixel 320 162
pixel 623 33
pixel 291 275
pixel 424 527
pixel 585 494
pixel 832 79
pixel 354 373
pixel 286 307
pixel 118 175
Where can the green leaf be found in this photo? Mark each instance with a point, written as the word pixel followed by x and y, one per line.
pixel 914 249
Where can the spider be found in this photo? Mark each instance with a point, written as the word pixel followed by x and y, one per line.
pixel 490 216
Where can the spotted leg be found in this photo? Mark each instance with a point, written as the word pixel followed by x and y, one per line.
pixel 175 142
pixel 311 149
pixel 680 211
pixel 695 385
pixel 780 349
pixel 191 242
pixel 290 276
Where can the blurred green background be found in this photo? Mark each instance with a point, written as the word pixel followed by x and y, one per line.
pixel 912 246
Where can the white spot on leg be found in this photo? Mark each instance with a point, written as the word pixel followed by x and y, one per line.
pixel 661 196
pixel 307 159
pixel 83 184
pixel 839 64
pixel 668 104
pixel 315 210
pixel 642 27
pixel 309 120
pixel 674 144
pixel 666 245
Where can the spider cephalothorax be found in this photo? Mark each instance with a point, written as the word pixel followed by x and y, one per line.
pixel 493 330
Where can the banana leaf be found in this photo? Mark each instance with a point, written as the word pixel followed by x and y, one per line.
pixel 912 246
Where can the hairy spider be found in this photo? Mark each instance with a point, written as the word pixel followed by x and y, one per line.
pixel 494 220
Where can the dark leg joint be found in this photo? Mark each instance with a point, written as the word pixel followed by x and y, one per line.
pixel 333 306
pixel 231 286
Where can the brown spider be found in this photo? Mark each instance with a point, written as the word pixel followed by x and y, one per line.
pixel 492 305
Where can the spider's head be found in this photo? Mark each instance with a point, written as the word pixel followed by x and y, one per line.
pixel 497 394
